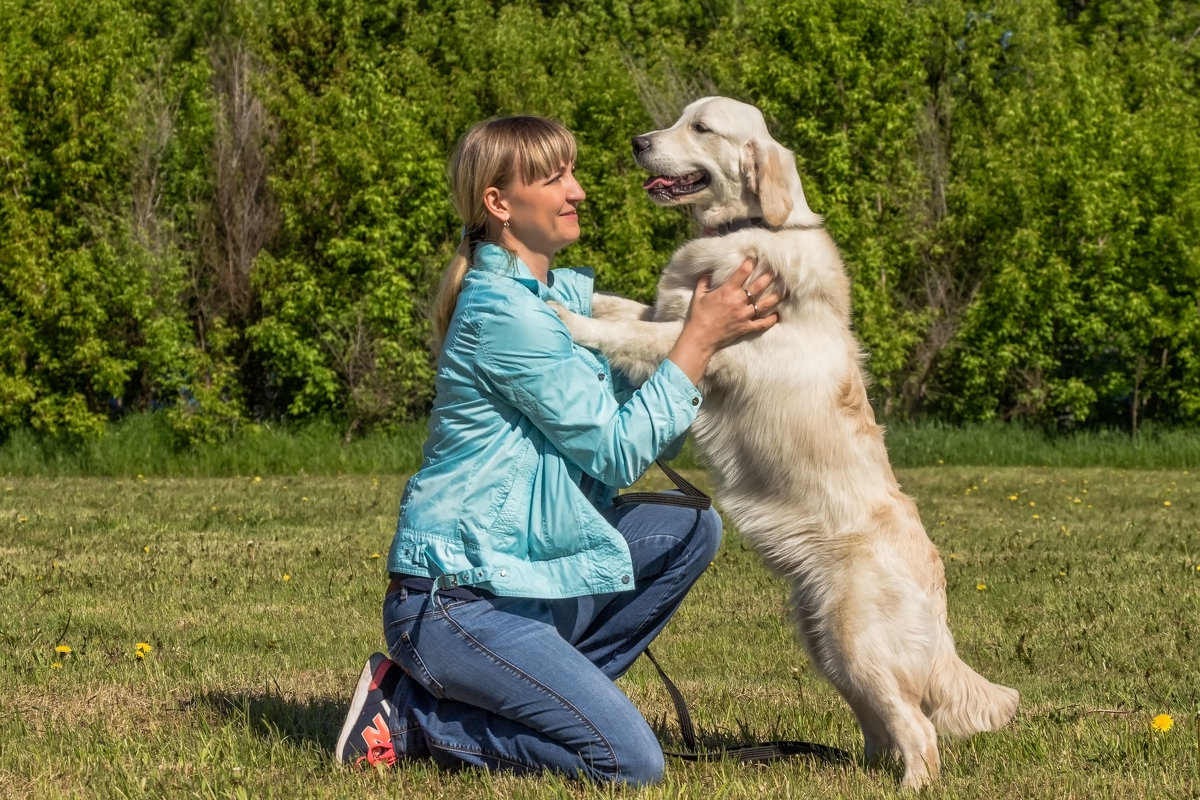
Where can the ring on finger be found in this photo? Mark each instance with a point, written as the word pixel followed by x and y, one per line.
pixel 755 308
pixel 749 297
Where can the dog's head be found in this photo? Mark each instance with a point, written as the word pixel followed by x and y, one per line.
pixel 720 158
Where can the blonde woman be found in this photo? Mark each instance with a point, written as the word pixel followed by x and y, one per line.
pixel 518 592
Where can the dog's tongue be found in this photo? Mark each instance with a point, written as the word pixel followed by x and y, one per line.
pixel 657 182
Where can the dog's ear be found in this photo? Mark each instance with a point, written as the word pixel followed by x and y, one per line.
pixel 765 165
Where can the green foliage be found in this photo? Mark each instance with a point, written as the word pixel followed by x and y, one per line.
pixel 237 210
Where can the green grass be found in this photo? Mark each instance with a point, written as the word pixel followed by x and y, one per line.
pixel 260 599
pixel 143 444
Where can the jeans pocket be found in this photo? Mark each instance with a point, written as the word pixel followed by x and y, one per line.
pixel 406 653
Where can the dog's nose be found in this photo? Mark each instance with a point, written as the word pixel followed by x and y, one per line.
pixel 641 144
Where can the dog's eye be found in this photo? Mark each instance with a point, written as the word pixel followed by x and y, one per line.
pixel 700 127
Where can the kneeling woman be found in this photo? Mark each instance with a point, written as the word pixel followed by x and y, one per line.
pixel 518 592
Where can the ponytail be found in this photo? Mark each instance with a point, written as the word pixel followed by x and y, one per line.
pixel 446 296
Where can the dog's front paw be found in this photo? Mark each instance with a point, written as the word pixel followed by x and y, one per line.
pixel 576 323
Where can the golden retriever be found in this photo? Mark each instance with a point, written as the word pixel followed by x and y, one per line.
pixel 798 460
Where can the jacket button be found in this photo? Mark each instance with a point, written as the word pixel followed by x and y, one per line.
pixel 624 579
pixel 600 376
pixel 695 401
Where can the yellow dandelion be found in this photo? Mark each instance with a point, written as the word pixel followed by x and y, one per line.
pixel 287 577
pixel 1077 500
pixel 139 655
pixel 56 665
pixel 1012 497
pixel 258 479
pixel 143 648
pixel 374 555
pixel 1032 504
pixel 146 549
pixel 1166 502
pixel 22 519
pixel 1163 723
pixel 1036 516
pixel 981 587
pixel 63 648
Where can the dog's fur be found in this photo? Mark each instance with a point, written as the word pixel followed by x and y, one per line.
pixel 798 459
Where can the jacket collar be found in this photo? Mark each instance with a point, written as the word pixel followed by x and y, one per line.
pixel 494 259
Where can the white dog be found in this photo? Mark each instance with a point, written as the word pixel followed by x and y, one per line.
pixel 798 460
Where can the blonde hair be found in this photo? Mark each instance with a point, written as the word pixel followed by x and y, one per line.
pixel 495 153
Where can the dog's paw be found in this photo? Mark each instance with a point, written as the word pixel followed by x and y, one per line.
pixel 612 306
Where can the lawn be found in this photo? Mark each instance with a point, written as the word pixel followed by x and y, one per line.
pixel 198 637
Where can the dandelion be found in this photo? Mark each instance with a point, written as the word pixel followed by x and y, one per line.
pixel 258 479
pixel 286 577
pixel 1162 723
pixel 141 649
pixel 146 549
pixel 981 587
pixel 1036 516
pixel 56 665
pixel 374 555
pixel 1167 503
pixel 63 648
pixel 1013 497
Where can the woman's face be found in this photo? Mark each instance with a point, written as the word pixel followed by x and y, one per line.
pixel 543 216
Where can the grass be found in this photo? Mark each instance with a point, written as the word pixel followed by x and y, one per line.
pixel 143 444
pixel 258 595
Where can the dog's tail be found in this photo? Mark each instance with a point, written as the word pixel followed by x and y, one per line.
pixel 961 702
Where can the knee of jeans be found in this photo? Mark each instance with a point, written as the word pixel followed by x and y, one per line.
pixel 708 531
pixel 640 764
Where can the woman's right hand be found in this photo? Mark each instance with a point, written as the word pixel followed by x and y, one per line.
pixel 721 316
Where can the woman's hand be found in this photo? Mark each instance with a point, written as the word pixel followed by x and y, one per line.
pixel 721 316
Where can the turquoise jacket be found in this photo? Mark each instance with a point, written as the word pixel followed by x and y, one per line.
pixel 522 419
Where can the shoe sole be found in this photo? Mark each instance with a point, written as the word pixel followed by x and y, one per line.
pixel 362 690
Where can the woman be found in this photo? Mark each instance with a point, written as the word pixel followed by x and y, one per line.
pixel 518 592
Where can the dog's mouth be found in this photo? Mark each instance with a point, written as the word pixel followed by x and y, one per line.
pixel 662 187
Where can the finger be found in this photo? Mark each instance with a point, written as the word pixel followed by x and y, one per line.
pixel 766 302
pixel 739 276
pixel 761 283
pixel 704 284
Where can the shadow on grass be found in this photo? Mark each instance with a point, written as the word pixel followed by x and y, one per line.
pixel 277 718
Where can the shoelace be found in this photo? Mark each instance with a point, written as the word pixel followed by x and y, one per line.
pixel 378 754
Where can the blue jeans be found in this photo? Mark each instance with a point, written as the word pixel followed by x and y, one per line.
pixel 527 684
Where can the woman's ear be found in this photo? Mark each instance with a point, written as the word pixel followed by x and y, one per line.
pixel 495 204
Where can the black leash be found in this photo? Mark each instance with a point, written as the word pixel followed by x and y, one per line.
pixel 691 497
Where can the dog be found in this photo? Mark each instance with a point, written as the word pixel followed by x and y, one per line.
pixel 797 458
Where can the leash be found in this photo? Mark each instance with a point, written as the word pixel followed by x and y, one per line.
pixel 692 497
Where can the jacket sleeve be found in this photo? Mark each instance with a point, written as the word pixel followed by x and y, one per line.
pixel 527 357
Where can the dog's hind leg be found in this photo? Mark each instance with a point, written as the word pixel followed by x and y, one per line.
pixel 877 742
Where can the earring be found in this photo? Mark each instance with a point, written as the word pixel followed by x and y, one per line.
pixel 506 223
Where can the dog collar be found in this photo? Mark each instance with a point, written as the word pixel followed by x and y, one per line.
pixel 733 225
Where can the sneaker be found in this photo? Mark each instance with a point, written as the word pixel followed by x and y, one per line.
pixel 366 738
